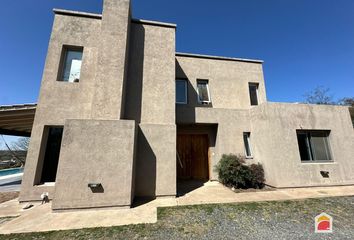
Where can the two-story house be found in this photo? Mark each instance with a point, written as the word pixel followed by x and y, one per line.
pixel 120 114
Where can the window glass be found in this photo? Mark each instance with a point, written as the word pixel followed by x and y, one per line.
pixel 181 91
pixel 203 91
pixel 253 90
pixel 72 65
pixel 246 140
pixel 319 144
pixel 314 145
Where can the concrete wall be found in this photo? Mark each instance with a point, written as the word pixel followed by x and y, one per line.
pixel 231 124
pixel 150 100
pixel 228 86
pixel 59 101
pixel 128 71
pixel 95 151
pixel 274 128
pixel 150 93
pixel 113 57
pixel 156 161
pixel 228 81
pixel 274 141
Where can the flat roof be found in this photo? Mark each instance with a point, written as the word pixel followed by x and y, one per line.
pixel 99 16
pixel 24 106
pixel 17 119
pixel 77 13
pixel 192 55
pixel 155 23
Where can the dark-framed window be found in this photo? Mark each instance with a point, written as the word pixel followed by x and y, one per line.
pixel 253 91
pixel 181 91
pixel 314 145
pixel 247 143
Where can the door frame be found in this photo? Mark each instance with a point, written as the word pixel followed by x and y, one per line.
pixel 208 154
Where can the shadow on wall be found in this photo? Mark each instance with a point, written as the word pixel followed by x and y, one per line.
pixel 351 110
pixel 209 129
pixel 134 88
pixel 185 113
pixel 145 172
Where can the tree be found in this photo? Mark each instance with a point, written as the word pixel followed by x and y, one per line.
pixel 21 144
pixel 346 101
pixel 18 150
pixel 319 95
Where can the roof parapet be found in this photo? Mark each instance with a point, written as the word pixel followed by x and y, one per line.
pixel 155 23
pixel 179 54
pixel 99 16
pixel 77 14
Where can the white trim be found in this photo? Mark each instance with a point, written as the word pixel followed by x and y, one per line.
pixel 207 86
pixel 185 90
pixel 46 184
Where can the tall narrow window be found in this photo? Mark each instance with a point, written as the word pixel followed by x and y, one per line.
pixel 314 145
pixel 253 90
pixel 51 156
pixel 203 91
pixel 247 143
pixel 181 91
pixel 71 64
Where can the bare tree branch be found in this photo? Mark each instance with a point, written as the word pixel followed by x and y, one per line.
pixel 319 95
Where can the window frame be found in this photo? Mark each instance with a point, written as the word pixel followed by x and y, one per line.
pixel 207 86
pixel 257 92
pixel 64 52
pixel 310 145
pixel 247 137
pixel 185 90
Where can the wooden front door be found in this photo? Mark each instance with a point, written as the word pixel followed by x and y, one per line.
pixel 192 156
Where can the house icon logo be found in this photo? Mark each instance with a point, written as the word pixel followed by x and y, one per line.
pixel 323 223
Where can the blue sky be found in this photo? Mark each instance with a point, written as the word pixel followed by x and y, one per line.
pixel 304 43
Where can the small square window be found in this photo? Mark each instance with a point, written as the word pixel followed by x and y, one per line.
pixel 314 145
pixel 181 91
pixel 70 67
pixel 253 90
pixel 203 92
pixel 247 143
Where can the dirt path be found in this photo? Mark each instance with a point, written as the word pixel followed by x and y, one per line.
pixel 6 196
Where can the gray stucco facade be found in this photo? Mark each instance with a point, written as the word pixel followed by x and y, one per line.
pixel 121 121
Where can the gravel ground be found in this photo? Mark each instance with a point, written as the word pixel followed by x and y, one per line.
pixel 262 220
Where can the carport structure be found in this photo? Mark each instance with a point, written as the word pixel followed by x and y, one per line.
pixel 17 120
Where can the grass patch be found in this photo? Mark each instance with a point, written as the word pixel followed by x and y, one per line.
pixel 195 221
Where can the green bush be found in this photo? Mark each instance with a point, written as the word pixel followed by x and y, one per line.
pixel 257 180
pixel 234 172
